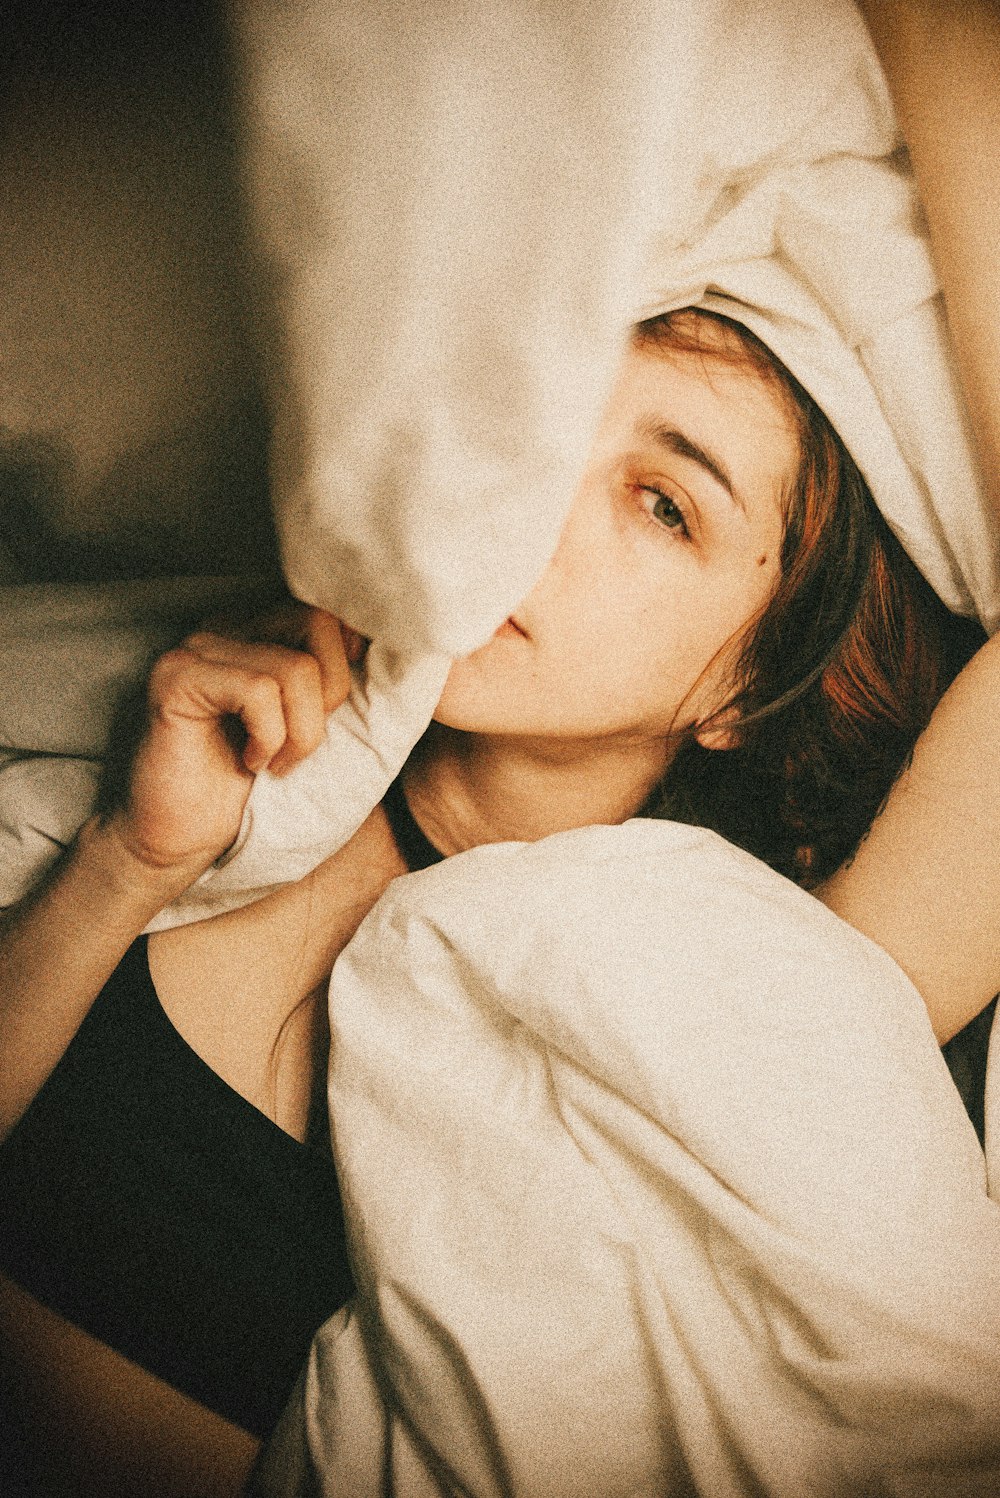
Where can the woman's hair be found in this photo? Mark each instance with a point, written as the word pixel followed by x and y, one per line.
pixel 838 675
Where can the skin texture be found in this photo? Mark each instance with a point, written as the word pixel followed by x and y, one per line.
pixel 657 570
pixel 98 1424
pixel 923 885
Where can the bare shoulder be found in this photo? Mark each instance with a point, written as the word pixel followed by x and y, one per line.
pixel 235 985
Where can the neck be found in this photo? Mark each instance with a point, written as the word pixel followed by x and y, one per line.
pixel 465 789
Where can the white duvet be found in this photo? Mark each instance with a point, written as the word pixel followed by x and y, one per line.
pixel 657 1184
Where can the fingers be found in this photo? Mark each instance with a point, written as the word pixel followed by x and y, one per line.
pixel 262 714
pixel 324 639
pixel 300 626
pixel 276 692
pixel 355 645
pixel 185 688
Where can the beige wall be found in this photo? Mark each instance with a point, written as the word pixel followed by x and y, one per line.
pixel 132 436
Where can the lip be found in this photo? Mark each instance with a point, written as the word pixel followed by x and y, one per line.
pixel 512 629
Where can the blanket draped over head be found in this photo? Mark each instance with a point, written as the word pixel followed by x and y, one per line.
pixel 655 1177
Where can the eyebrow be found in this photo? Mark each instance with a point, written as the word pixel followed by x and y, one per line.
pixel 684 447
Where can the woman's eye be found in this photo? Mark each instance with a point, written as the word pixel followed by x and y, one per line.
pixel 666 511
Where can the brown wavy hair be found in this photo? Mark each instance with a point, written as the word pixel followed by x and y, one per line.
pixel 841 671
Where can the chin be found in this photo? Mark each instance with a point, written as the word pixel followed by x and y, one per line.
pixel 479 697
pixel 466 716
pixel 505 691
pixel 471 711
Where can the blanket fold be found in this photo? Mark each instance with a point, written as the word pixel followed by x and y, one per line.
pixel 656 1182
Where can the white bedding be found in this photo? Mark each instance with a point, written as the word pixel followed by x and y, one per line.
pixel 667 1190
pixel 465 206
pixel 656 1179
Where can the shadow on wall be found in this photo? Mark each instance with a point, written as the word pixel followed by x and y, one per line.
pixel 133 435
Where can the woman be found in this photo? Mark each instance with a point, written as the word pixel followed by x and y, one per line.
pixel 727 634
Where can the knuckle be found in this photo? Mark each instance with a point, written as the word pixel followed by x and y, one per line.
pixel 261 690
pixel 306 736
pixel 200 639
pixel 167 669
pixel 338 659
pixel 303 669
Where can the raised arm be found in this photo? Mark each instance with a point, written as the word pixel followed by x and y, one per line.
pixel 190 781
pixel 926 883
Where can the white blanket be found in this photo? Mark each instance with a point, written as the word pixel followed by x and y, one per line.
pixel 656 1183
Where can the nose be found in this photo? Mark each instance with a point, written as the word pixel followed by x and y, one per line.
pixel 575 547
pixel 570 576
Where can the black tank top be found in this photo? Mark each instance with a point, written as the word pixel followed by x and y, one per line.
pixel 149 1203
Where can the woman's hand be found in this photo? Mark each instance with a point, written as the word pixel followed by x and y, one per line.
pixel 219 709
pixel 222 707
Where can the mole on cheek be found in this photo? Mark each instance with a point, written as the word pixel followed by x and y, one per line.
pixel 762 559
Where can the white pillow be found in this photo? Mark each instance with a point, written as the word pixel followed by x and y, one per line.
pixel 464 208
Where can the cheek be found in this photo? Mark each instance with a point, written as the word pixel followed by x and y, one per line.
pixel 625 653
pixel 683 641
pixel 575 680
pixel 488 689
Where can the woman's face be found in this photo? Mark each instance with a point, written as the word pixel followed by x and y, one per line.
pixel 670 548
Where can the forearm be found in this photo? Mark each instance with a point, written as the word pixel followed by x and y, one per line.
pixel 58 949
pixel 942 62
